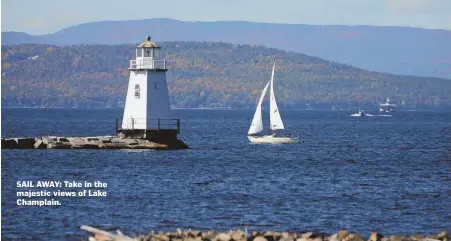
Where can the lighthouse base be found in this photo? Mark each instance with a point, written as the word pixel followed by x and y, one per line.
pixel 161 136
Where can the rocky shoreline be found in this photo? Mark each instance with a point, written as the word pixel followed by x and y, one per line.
pixel 240 235
pixel 98 142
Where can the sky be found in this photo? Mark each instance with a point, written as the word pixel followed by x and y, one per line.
pixel 48 16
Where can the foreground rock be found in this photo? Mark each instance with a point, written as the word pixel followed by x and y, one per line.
pixel 100 142
pixel 240 235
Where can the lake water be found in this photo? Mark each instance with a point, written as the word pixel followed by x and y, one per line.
pixel 386 173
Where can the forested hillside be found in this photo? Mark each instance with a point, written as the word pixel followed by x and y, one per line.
pixel 203 74
pixel 395 50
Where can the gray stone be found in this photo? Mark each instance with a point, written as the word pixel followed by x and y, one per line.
pixel 223 237
pixel 375 236
pixel 39 144
pixel 260 238
pixel 238 234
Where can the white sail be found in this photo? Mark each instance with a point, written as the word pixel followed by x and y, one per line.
pixel 274 116
pixel 257 124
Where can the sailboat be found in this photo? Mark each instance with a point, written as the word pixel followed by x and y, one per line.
pixel 275 121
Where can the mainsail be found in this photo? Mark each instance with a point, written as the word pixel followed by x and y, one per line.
pixel 257 124
pixel 274 116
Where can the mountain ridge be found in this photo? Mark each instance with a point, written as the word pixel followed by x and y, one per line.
pixel 389 49
pixel 229 21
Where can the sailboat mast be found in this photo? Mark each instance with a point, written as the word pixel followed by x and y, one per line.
pixel 271 89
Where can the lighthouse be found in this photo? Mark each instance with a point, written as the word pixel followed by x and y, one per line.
pixel 147 111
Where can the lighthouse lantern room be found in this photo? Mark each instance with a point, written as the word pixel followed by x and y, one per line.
pixel 147 111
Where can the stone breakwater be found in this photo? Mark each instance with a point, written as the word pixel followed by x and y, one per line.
pixel 99 142
pixel 240 235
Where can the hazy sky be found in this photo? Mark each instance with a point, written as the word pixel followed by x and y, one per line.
pixel 46 16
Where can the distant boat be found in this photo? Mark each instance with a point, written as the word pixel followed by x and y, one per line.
pixel 362 112
pixel 275 121
pixel 387 106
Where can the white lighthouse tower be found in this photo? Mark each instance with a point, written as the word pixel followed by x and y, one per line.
pixel 147 111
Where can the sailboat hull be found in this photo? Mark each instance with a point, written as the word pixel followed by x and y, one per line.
pixel 269 139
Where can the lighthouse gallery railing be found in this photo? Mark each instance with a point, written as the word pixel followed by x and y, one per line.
pixel 147 63
pixel 150 124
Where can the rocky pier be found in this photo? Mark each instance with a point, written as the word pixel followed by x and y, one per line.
pixel 98 142
pixel 240 235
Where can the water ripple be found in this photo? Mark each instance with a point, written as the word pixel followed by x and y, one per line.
pixel 390 174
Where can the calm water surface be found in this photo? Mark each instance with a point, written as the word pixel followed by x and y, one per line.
pixel 386 173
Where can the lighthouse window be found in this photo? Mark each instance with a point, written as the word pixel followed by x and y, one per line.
pixel 137 91
pixel 147 53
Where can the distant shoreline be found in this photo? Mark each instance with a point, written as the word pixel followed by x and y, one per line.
pixel 234 109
